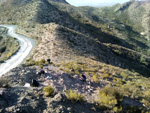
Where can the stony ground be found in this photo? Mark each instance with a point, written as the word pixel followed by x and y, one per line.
pixel 19 98
pixel 31 99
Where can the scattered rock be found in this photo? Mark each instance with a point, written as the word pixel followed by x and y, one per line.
pixel 27 85
pixel 35 83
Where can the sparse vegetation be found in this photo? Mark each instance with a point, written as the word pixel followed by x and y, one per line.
pixel 41 63
pixel 74 96
pixel 8 45
pixel 48 91
pixel 95 78
pixel 100 42
pixel 109 98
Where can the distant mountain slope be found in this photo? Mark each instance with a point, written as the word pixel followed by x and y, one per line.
pixel 135 14
pixel 102 18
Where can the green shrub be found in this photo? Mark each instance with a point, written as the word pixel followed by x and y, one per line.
pixel 29 63
pixel 124 75
pixel 46 63
pixel 117 93
pixel 146 99
pixel 109 98
pixel 72 67
pixel 143 60
pixel 118 81
pixel 117 52
pixel 95 78
pixel 106 76
pixel 74 96
pixel 48 91
pixel 41 62
pixel 9 55
pixel 106 101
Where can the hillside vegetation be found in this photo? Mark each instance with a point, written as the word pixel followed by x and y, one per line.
pixel 134 14
pixel 8 45
pixel 96 41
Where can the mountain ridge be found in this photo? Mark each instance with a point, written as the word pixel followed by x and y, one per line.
pixel 68 28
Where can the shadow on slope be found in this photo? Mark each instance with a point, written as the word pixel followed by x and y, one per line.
pixel 24 99
pixel 79 37
pixel 107 53
pixel 48 13
pixel 83 107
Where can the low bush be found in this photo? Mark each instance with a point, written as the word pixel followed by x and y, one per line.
pixel 41 63
pixel 146 99
pixel 74 96
pixel 95 78
pixel 109 98
pixel 9 55
pixel 117 52
pixel 106 76
pixel 48 91
pixel 72 67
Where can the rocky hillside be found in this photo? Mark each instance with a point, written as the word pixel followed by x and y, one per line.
pixel 104 18
pixel 66 37
pixel 78 40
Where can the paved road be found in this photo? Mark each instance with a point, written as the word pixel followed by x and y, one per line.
pixel 26 47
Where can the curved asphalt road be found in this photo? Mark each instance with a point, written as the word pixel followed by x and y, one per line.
pixel 26 47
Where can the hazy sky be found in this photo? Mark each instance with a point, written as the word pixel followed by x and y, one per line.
pixel 93 2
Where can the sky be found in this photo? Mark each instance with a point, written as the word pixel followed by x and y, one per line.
pixel 94 2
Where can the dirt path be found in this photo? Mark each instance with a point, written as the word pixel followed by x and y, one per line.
pixel 26 46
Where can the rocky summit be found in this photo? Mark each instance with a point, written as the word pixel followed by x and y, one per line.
pixel 87 59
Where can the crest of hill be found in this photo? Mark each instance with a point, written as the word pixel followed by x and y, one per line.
pixel 60 1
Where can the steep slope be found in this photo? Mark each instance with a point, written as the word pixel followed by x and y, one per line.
pixel 82 40
pixel 66 37
pixel 21 11
pixel 103 18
